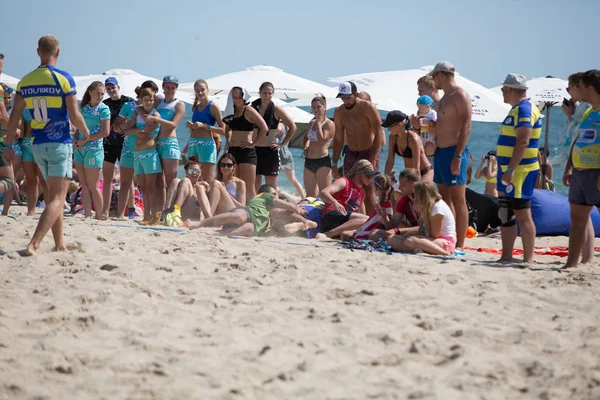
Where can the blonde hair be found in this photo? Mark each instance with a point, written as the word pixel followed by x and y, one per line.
pixel 47 45
pixel 199 82
pixel 87 96
pixel 426 195
pixel 365 96
pixel 321 99
pixel 384 182
pixel 427 80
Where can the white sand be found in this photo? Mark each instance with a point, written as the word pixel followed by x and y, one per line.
pixel 189 316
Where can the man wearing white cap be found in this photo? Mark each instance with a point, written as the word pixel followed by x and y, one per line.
pixel 452 153
pixel 358 123
pixel 518 167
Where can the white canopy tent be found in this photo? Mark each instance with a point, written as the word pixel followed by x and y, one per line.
pixel 287 86
pixel 128 81
pixel 9 81
pixel 397 90
pixel 544 90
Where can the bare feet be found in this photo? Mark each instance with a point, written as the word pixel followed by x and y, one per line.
pixel 60 248
pixel 30 250
pixel 309 225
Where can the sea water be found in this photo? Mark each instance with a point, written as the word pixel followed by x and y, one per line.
pixel 483 138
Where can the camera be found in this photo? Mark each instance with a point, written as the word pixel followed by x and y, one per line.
pixel 487 157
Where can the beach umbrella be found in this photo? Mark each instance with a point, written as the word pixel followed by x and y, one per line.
pixel 544 90
pixel 128 81
pixel 397 90
pixel 287 86
pixel 9 81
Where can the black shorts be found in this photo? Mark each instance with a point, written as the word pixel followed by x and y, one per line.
pixel 243 156
pixel 332 219
pixel 112 153
pixel 267 161
pixel 313 164
pixel 515 204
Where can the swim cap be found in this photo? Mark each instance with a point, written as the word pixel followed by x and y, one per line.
pixel 425 100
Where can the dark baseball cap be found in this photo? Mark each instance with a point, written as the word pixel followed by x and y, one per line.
pixel 394 117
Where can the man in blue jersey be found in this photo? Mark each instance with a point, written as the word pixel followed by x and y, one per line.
pixel 582 172
pixel 49 94
pixel 518 167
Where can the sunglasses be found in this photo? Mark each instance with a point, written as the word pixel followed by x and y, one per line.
pixel 9 90
pixel 227 165
pixel 194 171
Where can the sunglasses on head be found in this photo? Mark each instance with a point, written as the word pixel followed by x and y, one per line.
pixel 227 165
pixel 194 171
pixel 9 90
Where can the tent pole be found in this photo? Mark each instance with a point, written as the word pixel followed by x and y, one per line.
pixel 546 141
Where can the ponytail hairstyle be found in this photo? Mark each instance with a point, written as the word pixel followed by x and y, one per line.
pixel 146 85
pixel 147 92
pixel 320 97
pixel 385 183
pixel 87 97
pixel 426 195
pixel 199 82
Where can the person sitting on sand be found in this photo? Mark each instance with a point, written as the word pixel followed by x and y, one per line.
pixel 383 210
pixel 405 219
pixel 344 198
pixel 186 198
pixel 438 232
pixel 251 220
pixel 226 190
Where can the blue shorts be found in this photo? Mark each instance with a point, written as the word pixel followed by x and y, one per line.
pixel 17 149
pixel 203 148
pixel 523 183
pixel 55 160
pixel 146 162
pixel 127 158
pixel 168 148
pixel 441 166
pixel 26 154
pixel 89 158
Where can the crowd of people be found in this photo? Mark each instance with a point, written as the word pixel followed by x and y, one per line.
pixel 424 207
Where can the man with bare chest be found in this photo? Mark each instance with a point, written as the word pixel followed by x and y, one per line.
pixel 358 123
pixel 452 153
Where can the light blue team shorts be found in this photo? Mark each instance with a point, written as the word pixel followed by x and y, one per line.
pixel 26 153
pixel 55 160
pixel 168 148
pixel 146 162
pixel 90 158
pixel 203 148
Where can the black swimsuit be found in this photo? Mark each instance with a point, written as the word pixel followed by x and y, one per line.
pixel 407 153
pixel 241 155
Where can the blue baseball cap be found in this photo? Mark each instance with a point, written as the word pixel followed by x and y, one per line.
pixel 171 79
pixel 425 100
pixel 111 81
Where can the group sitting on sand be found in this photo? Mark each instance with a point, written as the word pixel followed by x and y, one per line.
pixel 47 132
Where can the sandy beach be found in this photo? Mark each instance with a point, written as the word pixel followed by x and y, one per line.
pixel 131 313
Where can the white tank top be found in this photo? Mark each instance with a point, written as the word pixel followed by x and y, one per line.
pixel 167 110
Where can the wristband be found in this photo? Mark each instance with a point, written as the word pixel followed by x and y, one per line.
pixel 334 164
pixel 509 170
pixel 8 146
pixel 458 156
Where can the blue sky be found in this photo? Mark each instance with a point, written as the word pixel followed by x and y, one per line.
pixel 315 39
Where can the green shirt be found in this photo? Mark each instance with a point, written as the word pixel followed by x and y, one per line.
pixel 259 211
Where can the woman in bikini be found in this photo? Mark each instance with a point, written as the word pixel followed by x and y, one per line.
pixel 239 132
pixel 317 138
pixel 227 191
pixel 267 150
pixel 205 127
pixel 488 173
pixel 407 144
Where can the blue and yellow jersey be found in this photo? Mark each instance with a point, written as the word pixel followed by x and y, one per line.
pixel 44 91
pixel 524 114
pixel 586 151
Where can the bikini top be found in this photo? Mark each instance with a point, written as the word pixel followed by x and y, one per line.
pixel 204 116
pixel 269 117
pixel 239 123
pixel 406 153
pixel 312 132
pixel 231 189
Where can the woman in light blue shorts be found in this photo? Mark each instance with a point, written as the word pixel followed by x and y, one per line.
pixel 89 158
pixel 146 161
pixel 126 191
pixel 171 112
pixel 206 123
